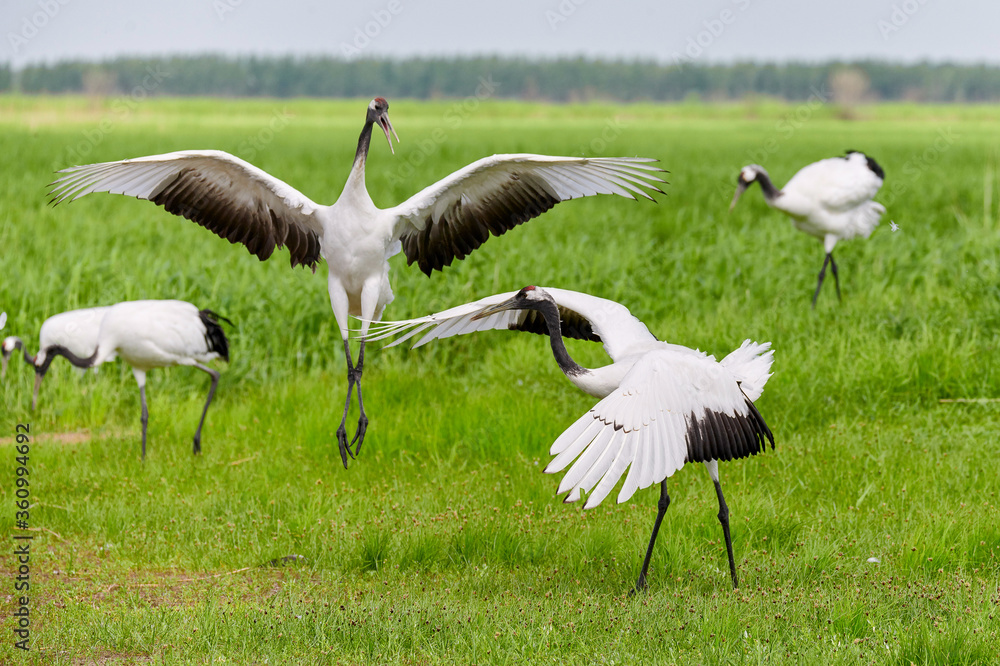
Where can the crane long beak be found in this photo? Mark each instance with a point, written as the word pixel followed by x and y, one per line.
pixel 509 304
pixel 740 189
pixel 386 126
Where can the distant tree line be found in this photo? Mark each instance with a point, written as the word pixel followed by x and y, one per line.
pixel 561 80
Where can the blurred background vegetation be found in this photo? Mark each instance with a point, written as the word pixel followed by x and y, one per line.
pixel 560 80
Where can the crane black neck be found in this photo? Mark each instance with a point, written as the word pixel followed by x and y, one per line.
pixel 364 142
pixel 770 191
pixel 550 312
pixel 24 350
pixel 59 350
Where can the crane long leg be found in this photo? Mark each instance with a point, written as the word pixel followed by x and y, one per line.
pixel 836 280
pixel 345 450
pixel 822 274
pixel 370 311
pixel 140 378
pixel 359 435
pixel 145 418
pixel 661 507
pixel 211 392
pixel 38 383
pixel 724 519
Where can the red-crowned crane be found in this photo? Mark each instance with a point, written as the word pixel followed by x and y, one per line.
pixel 439 224
pixel 662 405
pixel 157 334
pixel 830 199
pixel 75 330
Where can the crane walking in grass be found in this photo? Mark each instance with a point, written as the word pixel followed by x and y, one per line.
pixel 830 199
pixel 157 334
pixel 75 330
pixel 439 224
pixel 662 405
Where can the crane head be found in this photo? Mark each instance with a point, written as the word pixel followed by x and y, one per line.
pixel 378 112
pixel 528 298
pixel 6 349
pixel 748 175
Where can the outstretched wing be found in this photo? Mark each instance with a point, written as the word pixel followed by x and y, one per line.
pixel 582 317
pixel 670 408
pixel 454 216
pixel 226 195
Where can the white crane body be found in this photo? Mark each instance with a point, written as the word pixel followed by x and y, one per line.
pixel 662 405
pixel 76 330
pixel 154 334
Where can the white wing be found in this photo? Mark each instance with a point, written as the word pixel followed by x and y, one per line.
pixel 454 216
pixel 219 191
pixel 838 183
pixel 582 316
pixel 670 408
pixel 750 363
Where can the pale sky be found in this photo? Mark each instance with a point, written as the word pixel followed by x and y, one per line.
pixel 711 31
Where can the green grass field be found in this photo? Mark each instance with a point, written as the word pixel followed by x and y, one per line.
pixel 444 542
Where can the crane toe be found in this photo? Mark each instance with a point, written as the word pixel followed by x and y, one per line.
pixel 345 449
pixel 640 587
pixel 359 435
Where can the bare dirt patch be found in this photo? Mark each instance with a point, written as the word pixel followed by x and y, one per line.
pixel 77 437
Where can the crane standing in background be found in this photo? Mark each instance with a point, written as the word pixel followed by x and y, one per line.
pixel 830 200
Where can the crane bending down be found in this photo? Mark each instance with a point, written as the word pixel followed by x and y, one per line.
pixel 157 334
pixel 663 405
pixel 439 224
pixel 75 330
pixel 830 199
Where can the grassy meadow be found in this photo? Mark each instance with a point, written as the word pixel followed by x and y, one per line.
pixel 444 542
